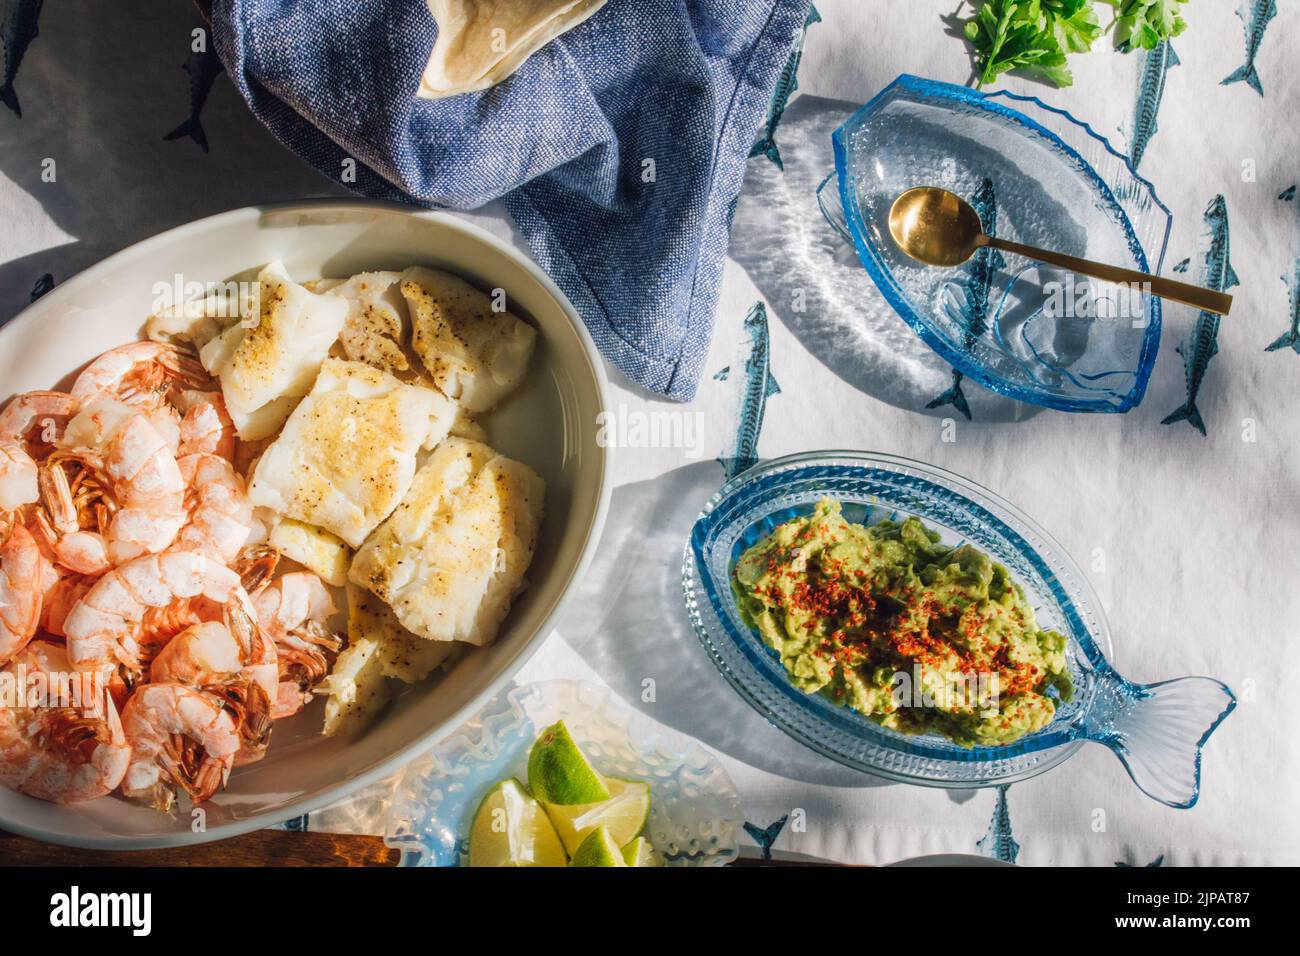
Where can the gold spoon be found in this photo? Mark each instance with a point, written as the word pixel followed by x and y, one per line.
pixel 940 228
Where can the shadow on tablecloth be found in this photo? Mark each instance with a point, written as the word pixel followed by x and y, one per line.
pixel 100 86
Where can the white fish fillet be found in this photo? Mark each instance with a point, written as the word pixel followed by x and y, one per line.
pixel 380 653
pixel 348 452
pixel 198 321
pixel 376 326
pixel 358 691
pixel 465 427
pixel 264 366
pixel 403 655
pixel 452 557
pixel 475 355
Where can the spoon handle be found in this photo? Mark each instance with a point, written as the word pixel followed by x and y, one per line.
pixel 1196 296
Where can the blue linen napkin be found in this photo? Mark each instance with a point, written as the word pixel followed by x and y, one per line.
pixel 620 147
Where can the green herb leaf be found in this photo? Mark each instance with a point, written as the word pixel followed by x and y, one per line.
pixel 1075 23
pixel 1022 35
pixel 1146 23
pixel 1035 36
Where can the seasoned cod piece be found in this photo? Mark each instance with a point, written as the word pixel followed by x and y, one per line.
pixel 475 355
pixel 199 321
pixel 380 653
pixel 266 365
pixel 347 453
pixel 465 427
pixel 316 550
pixel 376 326
pixel 403 656
pixel 452 557
pixel 357 688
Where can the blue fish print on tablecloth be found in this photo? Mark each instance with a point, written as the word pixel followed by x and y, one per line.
pixel 756 387
pixel 786 84
pixel 1255 16
pixel 1183 266
pixel 1203 344
pixel 18 27
pixel 1151 90
pixel 43 285
pixel 973 311
pixel 1291 337
pixel 203 67
pixel 1158 861
pixel 999 843
pixel 766 836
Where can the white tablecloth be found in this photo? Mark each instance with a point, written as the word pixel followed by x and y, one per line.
pixel 1190 541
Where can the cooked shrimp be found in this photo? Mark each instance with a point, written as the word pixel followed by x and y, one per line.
pixel 179 737
pixel 294 611
pixel 18 484
pixel 21 572
pixel 140 472
pixel 256 565
pixel 37 419
pixel 140 373
pixel 234 661
pixel 61 753
pixel 205 424
pixel 72 517
pixel 220 517
pixel 60 596
pixel 110 624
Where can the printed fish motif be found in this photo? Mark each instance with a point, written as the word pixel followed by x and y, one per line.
pixel 1291 338
pixel 1151 90
pixel 43 285
pixel 766 836
pixel 1203 344
pixel 18 29
pixel 1183 266
pixel 786 84
pixel 758 387
pixel 984 268
pixel 203 67
pixel 1255 16
pixel 953 396
pixel 1158 861
pixel 999 843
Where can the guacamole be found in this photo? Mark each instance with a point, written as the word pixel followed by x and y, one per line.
pixel 916 635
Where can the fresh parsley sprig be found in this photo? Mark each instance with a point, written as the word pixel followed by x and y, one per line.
pixel 1035 36
pixel 1146 23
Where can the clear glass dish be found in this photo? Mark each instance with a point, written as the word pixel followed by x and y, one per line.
pixel 1037 175
pixel 695 817
pixel 1156 730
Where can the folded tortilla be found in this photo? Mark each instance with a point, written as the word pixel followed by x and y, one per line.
pixel 481 42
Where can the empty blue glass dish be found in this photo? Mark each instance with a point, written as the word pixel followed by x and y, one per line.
pixel 1037 175
pixel 1157 730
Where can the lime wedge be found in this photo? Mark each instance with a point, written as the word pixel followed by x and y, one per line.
pixel 640 853
pixel 511 829
pixel 558 771
pixel 599 849
pixel 623 814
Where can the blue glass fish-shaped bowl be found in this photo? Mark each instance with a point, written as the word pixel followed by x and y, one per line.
pixel 695 817
pixel 1157 730
pixel 1036 175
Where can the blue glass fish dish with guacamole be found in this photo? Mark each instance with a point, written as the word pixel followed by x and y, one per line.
pixel 977 567
pixel 1034 174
